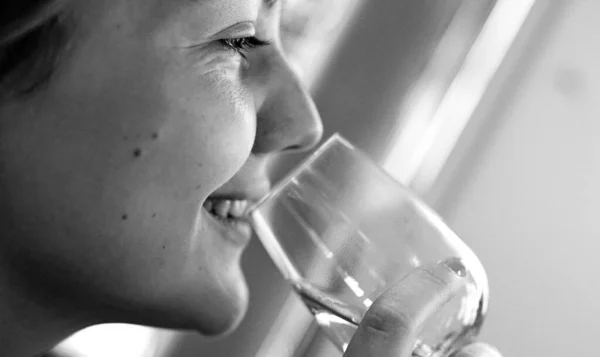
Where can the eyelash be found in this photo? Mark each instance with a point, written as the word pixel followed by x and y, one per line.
pixel 243 45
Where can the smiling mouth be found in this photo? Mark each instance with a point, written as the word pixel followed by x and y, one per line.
pixel 225 209
pixel 231 216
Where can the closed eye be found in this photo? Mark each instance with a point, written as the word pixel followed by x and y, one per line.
pixel 243 45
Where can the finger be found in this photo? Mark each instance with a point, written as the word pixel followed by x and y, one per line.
pixel 478 350
pixel 390 326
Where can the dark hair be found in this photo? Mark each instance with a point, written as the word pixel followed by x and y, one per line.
pixel 33 36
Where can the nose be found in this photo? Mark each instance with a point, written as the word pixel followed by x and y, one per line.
pixel 288 119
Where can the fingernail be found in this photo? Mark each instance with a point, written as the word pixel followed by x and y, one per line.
pixel 457 266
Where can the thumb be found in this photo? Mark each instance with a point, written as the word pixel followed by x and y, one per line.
pixel 477 350
pixel 390 326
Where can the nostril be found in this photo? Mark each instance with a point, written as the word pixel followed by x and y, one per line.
pixel 306 142
pixel 289 140
pixel 293 148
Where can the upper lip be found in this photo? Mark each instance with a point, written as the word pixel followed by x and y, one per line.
pixel 252 195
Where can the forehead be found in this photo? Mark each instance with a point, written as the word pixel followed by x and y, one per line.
pixel 150 14
pixel 210 15
pixel 223 7
pixel 216 7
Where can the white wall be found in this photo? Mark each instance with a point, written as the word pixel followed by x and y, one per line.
pixel 527 198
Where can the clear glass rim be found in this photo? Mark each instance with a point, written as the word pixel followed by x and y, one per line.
pixel 333 139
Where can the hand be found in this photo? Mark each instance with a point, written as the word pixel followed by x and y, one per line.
pixel 390 326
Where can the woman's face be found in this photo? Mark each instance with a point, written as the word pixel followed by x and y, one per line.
pixel 152 119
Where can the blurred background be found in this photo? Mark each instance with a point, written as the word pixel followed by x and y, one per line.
pixel 488 110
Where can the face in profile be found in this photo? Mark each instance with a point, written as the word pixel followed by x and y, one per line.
pixel 125 178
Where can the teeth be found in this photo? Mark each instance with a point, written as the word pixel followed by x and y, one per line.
pixel 226 208
pixel 208 205
pixel 238 208
pixel 221 208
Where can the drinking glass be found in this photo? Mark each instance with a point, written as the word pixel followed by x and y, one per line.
pixel 342 231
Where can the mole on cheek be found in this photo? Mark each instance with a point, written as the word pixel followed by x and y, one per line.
pixel 124 217
pixel 137 152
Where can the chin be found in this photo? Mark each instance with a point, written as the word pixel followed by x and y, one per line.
pixel 205 291
pixel 220 308
pixel 210 314
pixel 227 317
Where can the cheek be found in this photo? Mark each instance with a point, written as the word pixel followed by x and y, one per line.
pixel 213 124
pixel 135 141
pixel 153 125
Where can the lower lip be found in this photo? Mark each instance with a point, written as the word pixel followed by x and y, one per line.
pixel 237 231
